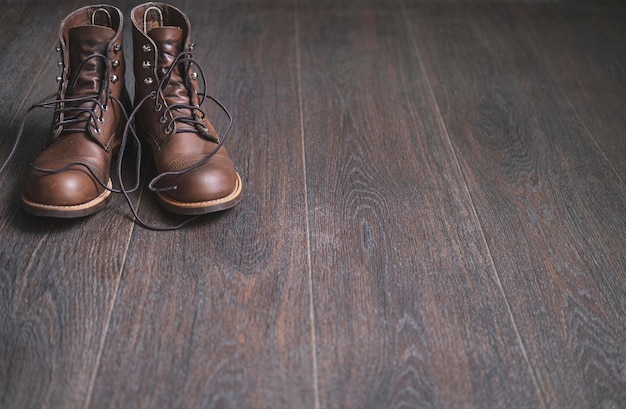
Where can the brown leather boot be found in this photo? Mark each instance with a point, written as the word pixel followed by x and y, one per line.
pixel 195 172
pixel 70 177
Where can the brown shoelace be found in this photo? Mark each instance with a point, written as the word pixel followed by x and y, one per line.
pixel 71 112
pixel 186 59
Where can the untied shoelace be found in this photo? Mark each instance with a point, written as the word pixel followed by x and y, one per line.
pixel 67 105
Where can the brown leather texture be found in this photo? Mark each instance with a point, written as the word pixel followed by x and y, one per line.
pixel 68 175
pixel 170 119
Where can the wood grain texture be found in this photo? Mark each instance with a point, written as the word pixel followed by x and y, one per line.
pixel 216 315
pixel 57 277
pixel 550 204
pixel 584 47
pixel 407 308
pixel 28 66
pixel 434 216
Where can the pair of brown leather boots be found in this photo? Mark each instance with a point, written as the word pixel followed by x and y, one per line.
pixel 70 176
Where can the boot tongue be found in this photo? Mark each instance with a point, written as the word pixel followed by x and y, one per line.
pixel 83 42
pixel 169 43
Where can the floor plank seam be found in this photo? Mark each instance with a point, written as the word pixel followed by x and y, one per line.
pixel 105 333
pixel 306 211
pixel 477 221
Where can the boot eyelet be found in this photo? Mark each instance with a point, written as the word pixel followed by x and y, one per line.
pixel 194 75
pixel 163 119
pixel 101 119
pixel 105 108
pixel 59 78
pixel 116 63
pixel 202 114
pixel 114 78
pixel 148 80
pixel 96 131
pixel 117 47
pixel 146 48
pixel 58 48
pixel 158 107
pixel 59 63
pixel 146 64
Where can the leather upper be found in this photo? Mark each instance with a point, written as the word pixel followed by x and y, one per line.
pixel 88 131
pixel 176 144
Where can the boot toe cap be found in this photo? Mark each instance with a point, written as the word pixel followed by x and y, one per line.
pixel 206 183
pixel 69 188
pixel 212 187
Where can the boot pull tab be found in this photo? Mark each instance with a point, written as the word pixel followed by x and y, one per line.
pixel 101 17
pixel 152 18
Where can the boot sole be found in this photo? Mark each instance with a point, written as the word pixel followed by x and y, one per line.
pixel 197 208
pixel 67 212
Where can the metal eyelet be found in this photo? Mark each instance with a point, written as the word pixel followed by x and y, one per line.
pixel 146 64
pixel 158 107
pixel 192 46
pixel 105 108
pixel 194 75
pixel 163 119
pixel 117 47
pixel 116 63
pixel 146 48
pixel 148 80
pixel 114 78
pixel 101 119
pixel 97 131
pixel 59 63
pixel 59 78
pixel 58 48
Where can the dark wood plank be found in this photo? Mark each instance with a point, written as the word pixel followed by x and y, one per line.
pixel 217 314
pixel 407 306
pixel 585 49
pixel 58 277
pixel 28 62
pixel 550 204
pixel 467 222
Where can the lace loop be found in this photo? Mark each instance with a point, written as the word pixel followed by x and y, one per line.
pixel 69 115
pixel 183 58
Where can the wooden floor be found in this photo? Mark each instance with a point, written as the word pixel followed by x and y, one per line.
pixel 434 217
